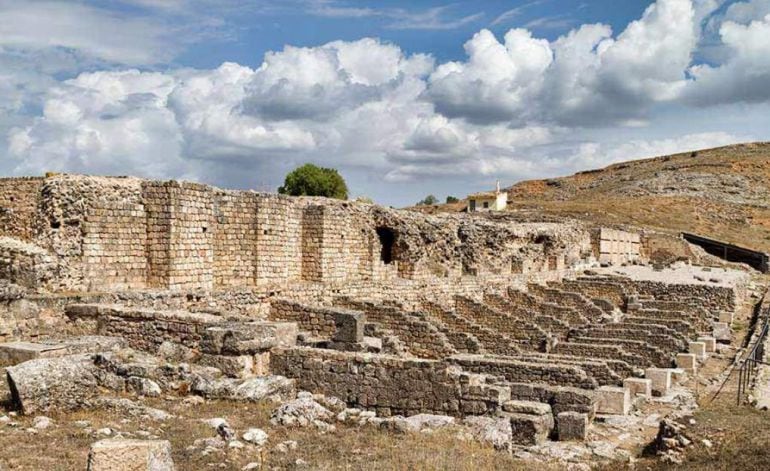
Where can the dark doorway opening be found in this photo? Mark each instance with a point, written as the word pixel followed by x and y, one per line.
pixel 387 239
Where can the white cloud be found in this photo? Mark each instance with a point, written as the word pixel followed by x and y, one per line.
pixel 91 31
pixel 102 122
pixel 586 76
pixel 745 74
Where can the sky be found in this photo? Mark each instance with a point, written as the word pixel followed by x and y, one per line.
pixel 404 98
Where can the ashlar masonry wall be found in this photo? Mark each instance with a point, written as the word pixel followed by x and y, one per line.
pixel 123 233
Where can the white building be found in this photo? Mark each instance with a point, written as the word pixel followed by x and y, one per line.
pixel 488 200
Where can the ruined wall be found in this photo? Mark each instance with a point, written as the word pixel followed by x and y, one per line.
pixel 279 239
pixel 180 227
pixel 235 238
pixel 318 321
pixel 121 233
pixel 615 247
pixel 345 247
pixel 114 246
pixel 517 371
pixel 144 329
pixel 379 382
pixel 18 204
pixel 25 264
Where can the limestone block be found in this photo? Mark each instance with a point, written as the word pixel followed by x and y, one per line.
pixel 726 317
pixel 248 338
pixel 660 378
pixel 527 407
pixel 678 375
pixel 572 426
pixel 236 366
pixel 262 364
pixel 711 343
pixel 722 332
pixel 638 386
pixel 687 361
pixel 698 348
pixel 13 353
pixel 613 400
pixel 54 383
pixel 130 455
pixel 530 429
pixel 349 326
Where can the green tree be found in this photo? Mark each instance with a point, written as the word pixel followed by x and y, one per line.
pixel 452 199
pixel 428 201
pixel 311 180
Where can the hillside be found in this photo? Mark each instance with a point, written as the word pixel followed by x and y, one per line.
pixel 722 193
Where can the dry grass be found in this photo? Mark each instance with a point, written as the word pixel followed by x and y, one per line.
pixel 64 446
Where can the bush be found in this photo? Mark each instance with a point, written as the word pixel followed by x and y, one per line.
pixel 452 199
pixel 310 180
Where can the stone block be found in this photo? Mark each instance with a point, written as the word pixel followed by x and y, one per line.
pixel 698 348
pixel 711 343
pixel 349 326
pixel 688 362
pixel 613 400
pixel 678 375
pixel 660 378
pixel 572 426
pixel 248 338
pixel 722 332
pixel 130 455
pixel 240 366
pixel 726 317
pixel 527 407
pixel 530 429
pixel 13 353
pixel 638 386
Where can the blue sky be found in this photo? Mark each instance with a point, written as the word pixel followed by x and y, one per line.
pixel 268 29
pixel 405 98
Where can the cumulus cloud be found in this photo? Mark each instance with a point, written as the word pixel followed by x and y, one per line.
pixel 586 76
pixel 102 122
pixel 745 74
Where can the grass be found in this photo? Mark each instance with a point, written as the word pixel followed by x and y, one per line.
pixel 64 446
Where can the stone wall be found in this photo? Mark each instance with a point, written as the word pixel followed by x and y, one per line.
pixel 18 205
pixel 517 371
pixel 122 233
pixel 114 246
pixel 235 238
pixel 317 321
pixel 25 264
pixel 279 239
pixel 389 385
pixel 145 329
pixel 615 247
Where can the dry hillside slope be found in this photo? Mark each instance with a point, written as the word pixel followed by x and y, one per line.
pixel 722 193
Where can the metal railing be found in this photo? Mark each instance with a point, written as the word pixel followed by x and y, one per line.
pixel 750 364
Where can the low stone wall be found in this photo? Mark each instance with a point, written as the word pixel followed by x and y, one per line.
pixel 25 264
pixel 318 321
pixel 422 338
pixel 390 385
pixel 591 350
pixel 491 340
pixel 518 371
pixel 145 329
pixel 523 331
pixel 561 399
pixel 644 351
